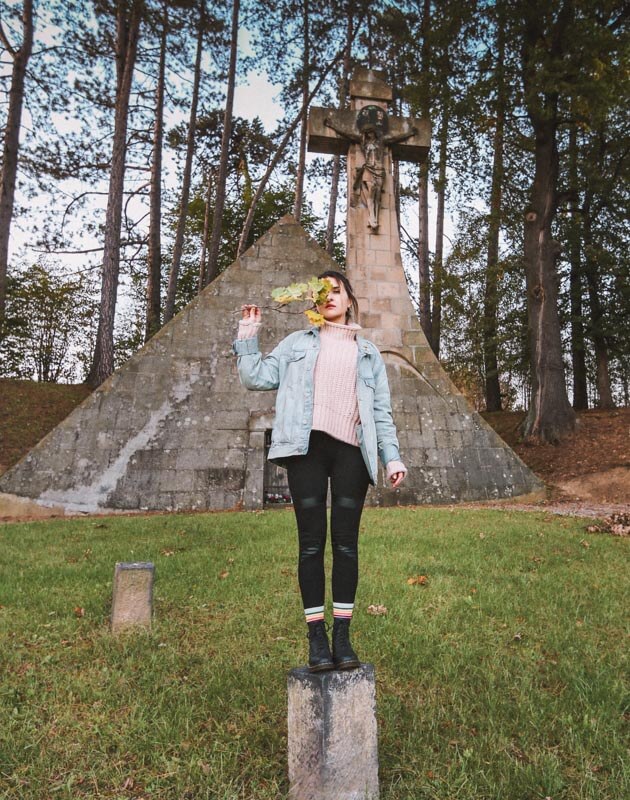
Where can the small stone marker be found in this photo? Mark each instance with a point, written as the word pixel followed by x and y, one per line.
pixel 333 747
pixel 132 602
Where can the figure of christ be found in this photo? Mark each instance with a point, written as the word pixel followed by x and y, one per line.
pixel 370 176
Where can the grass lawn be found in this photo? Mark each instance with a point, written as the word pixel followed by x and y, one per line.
pixel 502 676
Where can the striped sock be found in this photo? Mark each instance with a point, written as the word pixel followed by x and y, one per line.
pixel 342 610
pixel 314 614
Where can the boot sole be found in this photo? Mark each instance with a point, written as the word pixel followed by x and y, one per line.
pixel 347 665
pixel 322 667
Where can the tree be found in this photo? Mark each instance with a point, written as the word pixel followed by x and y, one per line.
pixel 154 256
pixel 545 38
pixel 215 236
pixel 50 331
pixel 491 365
pixel 11 141
pixel 128 17
pixel 343 99
pixel 186 177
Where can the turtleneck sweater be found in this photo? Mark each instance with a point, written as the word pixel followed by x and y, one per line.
pixel 335 406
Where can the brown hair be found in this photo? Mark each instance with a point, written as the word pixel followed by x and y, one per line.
pixel 353 311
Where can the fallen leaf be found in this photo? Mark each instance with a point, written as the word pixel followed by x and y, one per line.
pixel 79 612
pixel 166 552
pixel 224 574
pixel 127 783
pixel 584 543
pixel 518 637
pixel 482 535
pixel 420 580
pixel 377 610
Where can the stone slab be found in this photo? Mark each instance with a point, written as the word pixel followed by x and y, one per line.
pixel 332 735
pixel 132 601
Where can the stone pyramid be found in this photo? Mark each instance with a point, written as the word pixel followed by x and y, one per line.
pixel 174 430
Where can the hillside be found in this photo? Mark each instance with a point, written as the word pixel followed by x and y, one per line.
pixel 592 465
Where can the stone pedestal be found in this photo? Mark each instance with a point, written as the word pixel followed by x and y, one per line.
pixel 132 602
pixel 333 748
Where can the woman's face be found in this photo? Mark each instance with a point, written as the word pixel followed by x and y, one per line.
pixel 337 303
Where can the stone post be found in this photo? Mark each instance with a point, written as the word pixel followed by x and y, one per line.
pixel 333 748
pixel 132 602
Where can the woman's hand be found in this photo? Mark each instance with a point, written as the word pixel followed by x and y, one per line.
pixel 249 325
pixel 251 313
pixel 397 478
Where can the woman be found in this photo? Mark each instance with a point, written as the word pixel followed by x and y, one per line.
pixel 333 416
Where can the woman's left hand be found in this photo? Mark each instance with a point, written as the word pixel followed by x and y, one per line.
pixel 397 478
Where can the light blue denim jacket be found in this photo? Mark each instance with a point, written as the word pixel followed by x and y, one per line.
pixel 290 368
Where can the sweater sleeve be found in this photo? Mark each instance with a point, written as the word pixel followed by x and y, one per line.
pixel 248 329
pixel 393 467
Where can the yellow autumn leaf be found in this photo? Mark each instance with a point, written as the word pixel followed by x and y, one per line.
pixel 314 317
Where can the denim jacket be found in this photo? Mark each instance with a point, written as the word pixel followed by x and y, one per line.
pixel 290 368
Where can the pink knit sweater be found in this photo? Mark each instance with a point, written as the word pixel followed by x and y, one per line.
pixel 335 407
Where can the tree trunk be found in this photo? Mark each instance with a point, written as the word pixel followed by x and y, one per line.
pixel 11 144
pixel 154 271
pixel 424 270
pixel 578 352
pixel 491 288
pixel 438 264
pixel 550 416
pixel 604 393
pixel 219 204
pixel 128 29
pixel 203 261
pixel 299 178
pixel 336 167
pixel 178 247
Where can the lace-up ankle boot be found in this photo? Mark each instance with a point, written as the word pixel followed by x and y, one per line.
pixel 319 655
pixel 344 656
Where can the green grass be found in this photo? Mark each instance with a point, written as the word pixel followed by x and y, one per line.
pixel 502 677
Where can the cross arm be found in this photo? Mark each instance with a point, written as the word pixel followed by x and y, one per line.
pixel 323 138
pixel 408 137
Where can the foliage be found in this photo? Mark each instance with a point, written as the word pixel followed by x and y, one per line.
pixel 446 65
pixel 314 292
pixel 50 327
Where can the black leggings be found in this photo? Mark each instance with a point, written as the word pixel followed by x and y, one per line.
pixel 308 482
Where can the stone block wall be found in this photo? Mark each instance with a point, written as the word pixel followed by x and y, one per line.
pixel 173 429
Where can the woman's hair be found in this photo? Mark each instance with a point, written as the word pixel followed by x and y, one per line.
pixel 353 311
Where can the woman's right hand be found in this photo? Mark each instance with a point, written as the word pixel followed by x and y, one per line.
pixel 249 325
pixel 251 313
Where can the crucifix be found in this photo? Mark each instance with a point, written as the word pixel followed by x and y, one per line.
pixel 371 138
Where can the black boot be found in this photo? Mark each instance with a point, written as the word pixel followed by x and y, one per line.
pixel 319 656
pixel 344 656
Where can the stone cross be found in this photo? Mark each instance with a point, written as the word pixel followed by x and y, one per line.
pixel 371 138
